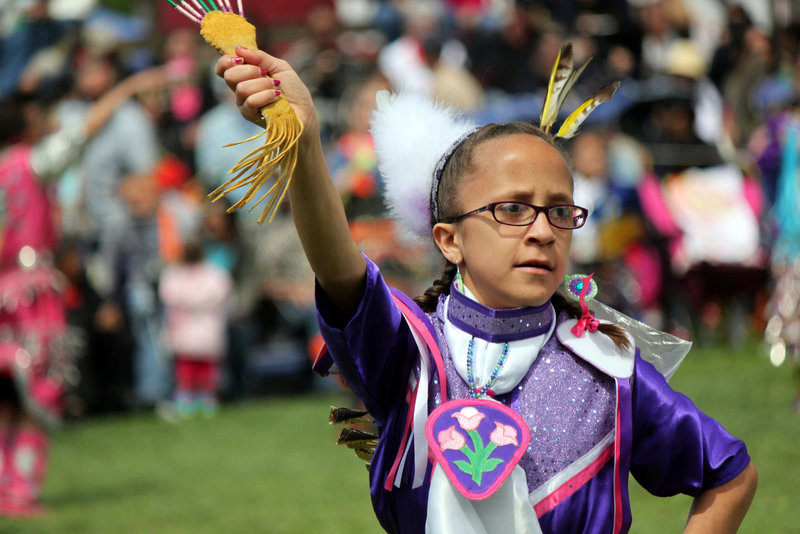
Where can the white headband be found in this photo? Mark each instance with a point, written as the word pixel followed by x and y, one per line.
pixel 437 173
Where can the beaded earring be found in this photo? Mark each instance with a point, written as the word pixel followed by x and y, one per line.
pixel 458 283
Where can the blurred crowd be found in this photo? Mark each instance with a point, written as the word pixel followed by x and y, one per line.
pixel 690 173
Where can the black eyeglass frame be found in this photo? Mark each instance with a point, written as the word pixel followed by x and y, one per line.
pixel 491 207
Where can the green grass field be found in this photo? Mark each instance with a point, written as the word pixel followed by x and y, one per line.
pixel 270 466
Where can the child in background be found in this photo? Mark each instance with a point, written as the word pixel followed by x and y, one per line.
pixel 197 297
pixel 156 226
pixel 490 356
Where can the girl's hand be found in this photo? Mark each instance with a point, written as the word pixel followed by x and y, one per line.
pixel 257 78
pixel 317 207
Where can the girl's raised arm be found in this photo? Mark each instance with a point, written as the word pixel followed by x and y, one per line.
pixel 257 79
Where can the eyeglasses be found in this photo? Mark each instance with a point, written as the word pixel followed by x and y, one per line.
pixel 564 216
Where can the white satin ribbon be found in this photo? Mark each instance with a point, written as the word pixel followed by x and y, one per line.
pixel 417 438
pixel 507 510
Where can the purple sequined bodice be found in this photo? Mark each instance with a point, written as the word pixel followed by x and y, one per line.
pixel 569 405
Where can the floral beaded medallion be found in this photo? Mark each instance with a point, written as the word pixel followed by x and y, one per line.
pixel 478 442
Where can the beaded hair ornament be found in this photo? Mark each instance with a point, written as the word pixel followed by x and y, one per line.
pixel 415 137
pixel 582 288
pixel 225 28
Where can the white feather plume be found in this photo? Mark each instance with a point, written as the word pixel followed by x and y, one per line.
pixel 411 132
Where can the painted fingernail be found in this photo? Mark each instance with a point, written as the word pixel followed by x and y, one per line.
pixel 243 47
pixel 263 72
pixel 277 93
pixel 238 60
pixel 276 82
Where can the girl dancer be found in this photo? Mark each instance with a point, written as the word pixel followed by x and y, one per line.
pixel 500 407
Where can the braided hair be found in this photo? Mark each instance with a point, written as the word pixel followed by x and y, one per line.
pixel 441 286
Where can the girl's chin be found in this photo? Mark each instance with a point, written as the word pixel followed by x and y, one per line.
pixel 515 291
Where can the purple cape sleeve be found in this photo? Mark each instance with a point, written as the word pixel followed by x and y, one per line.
pixel 374 349
pixel 375 352
pixel 676 447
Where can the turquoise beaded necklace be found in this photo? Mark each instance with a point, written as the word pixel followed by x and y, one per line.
pixel 481 391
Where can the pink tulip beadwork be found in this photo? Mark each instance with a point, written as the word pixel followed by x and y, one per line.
pixel 480 449
pixel 469 418
pixel 225 29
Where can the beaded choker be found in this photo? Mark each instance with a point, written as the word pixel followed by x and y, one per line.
pixel 498 326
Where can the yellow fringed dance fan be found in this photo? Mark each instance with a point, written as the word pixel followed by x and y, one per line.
pixel 225 29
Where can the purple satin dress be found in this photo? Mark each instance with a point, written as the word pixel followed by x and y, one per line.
pixel 668 445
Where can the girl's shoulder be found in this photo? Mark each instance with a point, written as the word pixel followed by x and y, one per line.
pixel 661 349
pixel 598 349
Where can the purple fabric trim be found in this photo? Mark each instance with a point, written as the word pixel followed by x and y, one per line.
pixel 626 433
pixel 414 307
pixel 497 326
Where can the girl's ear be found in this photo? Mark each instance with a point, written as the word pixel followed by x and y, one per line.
pixel 446 238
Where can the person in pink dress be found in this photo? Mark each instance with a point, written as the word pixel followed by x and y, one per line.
pixel 33 356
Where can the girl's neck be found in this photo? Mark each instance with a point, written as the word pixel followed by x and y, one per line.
pixel 465 312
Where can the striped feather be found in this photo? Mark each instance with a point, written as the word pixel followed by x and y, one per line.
pixel 573 77
pixel 562 69
pixel 346 416
pixel 354 438
pixel 571 124
pixel 365 453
